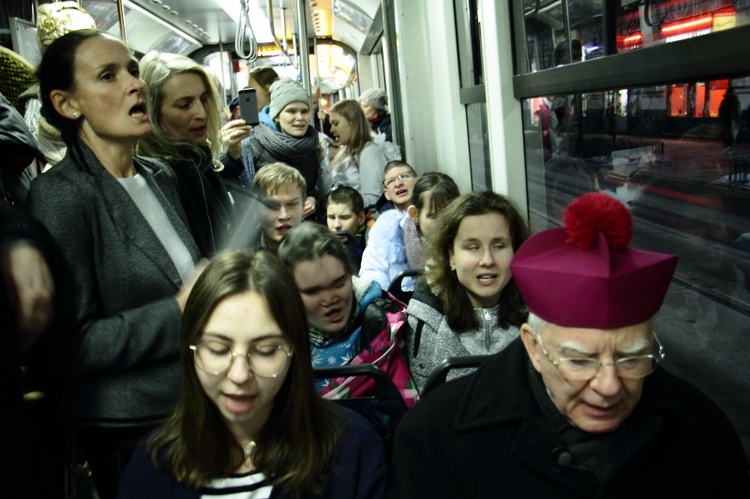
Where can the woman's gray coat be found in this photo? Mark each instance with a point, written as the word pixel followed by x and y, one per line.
pixel 118 342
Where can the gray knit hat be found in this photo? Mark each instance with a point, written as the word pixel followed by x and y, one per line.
pixel 284 92
pixel 376 97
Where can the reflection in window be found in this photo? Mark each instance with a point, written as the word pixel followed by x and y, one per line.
pixel 678 155
pixel 559 32
pixel 546 34
pixel 469 37
pixel 643 24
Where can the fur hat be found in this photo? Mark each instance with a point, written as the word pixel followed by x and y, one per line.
pixel 284 92
pixel 375 97
pixel 57 19
pixel 585 275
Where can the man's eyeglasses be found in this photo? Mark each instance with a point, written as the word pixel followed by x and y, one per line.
pixel 266 360
pixel 400 177
pixel 584 368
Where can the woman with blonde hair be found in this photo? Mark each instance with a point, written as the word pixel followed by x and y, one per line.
pixel 184 111
pixel 361 162
pixel 249 418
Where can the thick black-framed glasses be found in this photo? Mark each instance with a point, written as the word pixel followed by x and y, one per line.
pixel 585 369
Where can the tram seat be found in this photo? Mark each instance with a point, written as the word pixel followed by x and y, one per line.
pixel 440 373
pixel 394 287
pixel 384 409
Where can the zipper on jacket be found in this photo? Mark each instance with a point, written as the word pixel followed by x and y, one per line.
pixel 487 329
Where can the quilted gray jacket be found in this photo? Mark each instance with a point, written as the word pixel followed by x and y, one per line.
pixel 433 340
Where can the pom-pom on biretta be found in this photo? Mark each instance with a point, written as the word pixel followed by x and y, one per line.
pixel 585 275
pixel 597 212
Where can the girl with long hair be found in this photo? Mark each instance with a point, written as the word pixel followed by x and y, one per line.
pixel 467 302
pixel 249 418
pixel 360 162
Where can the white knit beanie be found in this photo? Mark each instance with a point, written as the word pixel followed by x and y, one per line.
pixel 284 92
pixel 376 97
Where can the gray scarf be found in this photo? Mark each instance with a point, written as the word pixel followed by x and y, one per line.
pixel 288 149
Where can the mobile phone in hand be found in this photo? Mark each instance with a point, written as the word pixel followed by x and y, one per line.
pixel 249 106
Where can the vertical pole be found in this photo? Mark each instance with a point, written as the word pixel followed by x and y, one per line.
pixel 121 13
pixel 390 53
pixel 304 46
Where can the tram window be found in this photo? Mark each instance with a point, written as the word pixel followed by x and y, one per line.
pixel 469 36
pixel 678 154
pixel 561 32
pixel 679 157
pixel 665 21
pixel 479 154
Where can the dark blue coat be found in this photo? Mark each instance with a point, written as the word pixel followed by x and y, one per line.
pixel 358 469
pixel 485 436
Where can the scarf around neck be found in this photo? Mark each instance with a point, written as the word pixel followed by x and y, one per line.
pixel 288 149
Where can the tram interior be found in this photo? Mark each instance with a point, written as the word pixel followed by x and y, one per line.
pixel 677 152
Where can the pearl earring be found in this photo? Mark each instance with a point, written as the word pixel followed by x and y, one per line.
pixel 453 267
pixel 76 114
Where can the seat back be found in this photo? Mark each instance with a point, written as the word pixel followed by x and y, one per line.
pixel 384 409
pixel 394 287
pixel 440 373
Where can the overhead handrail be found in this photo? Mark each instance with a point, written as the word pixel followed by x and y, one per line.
pixel 239 40
pixel 276 40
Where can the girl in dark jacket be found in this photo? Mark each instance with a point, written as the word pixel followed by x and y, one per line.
pixel 249 421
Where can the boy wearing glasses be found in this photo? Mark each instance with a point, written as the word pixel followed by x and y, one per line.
pixel 577 406
pixel 398 183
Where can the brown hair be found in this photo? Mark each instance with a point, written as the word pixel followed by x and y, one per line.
pixel 300 437
pixel 456 304
pixel 351 111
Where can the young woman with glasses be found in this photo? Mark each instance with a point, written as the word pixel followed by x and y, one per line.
pixel 249 418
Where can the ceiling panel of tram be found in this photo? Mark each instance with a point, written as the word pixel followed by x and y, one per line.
pixel 182 26
pixel 214 21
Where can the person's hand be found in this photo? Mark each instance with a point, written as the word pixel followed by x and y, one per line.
pixel 30 290
pixel 232 134
pixel 311 204
pixel 184 292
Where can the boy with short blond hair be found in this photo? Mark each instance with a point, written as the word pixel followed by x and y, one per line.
pixel 283 189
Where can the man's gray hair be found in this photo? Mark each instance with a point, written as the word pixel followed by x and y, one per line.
pixel 536 323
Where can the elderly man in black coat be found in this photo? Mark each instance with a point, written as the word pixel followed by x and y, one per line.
pixel 577 406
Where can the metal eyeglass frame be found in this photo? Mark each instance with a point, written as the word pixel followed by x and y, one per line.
pixel 658 357
pixel 194 348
